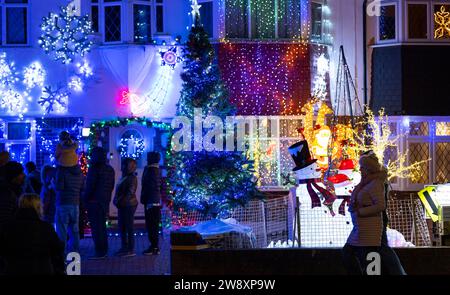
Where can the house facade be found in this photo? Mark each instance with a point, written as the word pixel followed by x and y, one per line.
pixel 273 55
pixel 407 53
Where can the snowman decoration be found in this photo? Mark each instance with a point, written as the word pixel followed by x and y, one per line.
pixel 318 225
pixel 345 182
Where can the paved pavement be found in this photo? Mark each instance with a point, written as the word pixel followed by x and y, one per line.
pixel 138 265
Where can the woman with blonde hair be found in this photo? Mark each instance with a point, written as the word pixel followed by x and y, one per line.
pixel 29 245
pixel 366 207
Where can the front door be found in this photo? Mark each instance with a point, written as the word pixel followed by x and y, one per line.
pixel 120 142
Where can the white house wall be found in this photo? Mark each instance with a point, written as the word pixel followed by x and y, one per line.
pixel 347 30
pixel 101 99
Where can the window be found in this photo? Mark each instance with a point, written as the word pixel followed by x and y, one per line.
pixel 387 23
pixel 442 22
pixel 206 13
pixel 263 19
pixel 14 20
pixel 159 16
pixel 289 24
pixel 112 23
pixel 17 139
pixel 417 21
pixel 19 131
pixel 236 19
pixel 142 27
pixel 316 21
pixel 94 16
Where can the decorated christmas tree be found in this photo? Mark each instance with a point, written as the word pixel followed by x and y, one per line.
pixel 211 182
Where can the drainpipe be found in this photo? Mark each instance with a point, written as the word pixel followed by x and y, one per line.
pixel 365 51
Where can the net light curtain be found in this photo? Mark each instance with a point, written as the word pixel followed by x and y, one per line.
pixel 264 20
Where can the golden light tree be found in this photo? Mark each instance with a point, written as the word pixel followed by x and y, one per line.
pixel 375 134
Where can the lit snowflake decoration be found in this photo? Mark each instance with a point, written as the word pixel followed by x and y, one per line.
pixel 131 147
pixel 34 75
pixel 55 101
pixel 8 74
pixel 84 69
pixel 76 84
pixel 66 35
pixel 13 102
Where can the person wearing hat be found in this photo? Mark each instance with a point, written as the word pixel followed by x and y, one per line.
pixel 11 188
pixel 151 199
pixel 100 182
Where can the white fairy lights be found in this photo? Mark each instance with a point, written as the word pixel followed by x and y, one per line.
pixel 66 35
pixel 34 75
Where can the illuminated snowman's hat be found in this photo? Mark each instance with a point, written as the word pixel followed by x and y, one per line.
pixel 339 178
pixel 301 155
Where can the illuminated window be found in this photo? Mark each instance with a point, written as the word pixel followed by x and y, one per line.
pixel 442 21
pixel 288 19
pixel 206 14
pixel 417 21
pixel 316 21
pixel 142 27
pixel 387 23
pixel 17 139
pixel 263 19
pixel 236 19
pixel 15 22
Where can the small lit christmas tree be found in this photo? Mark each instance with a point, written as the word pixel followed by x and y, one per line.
pixel 209 182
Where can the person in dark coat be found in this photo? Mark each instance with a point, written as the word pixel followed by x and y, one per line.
pixel 48 194
pixel 11 188
pixel 151 199
pixel 126 202
pixel 4 158
pixel 33 182
pixel 97 196
pixel 68 186
pixel 28 245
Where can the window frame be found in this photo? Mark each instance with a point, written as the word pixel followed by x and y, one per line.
pixel 155 18
pixel 213 15
pixel 397 37
pixel 4 39
pixel 223 14
pixel 31 141
pixel 430 31
pixel 103 21
pixel 145 3
pixel 97 4
pixel 321 40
